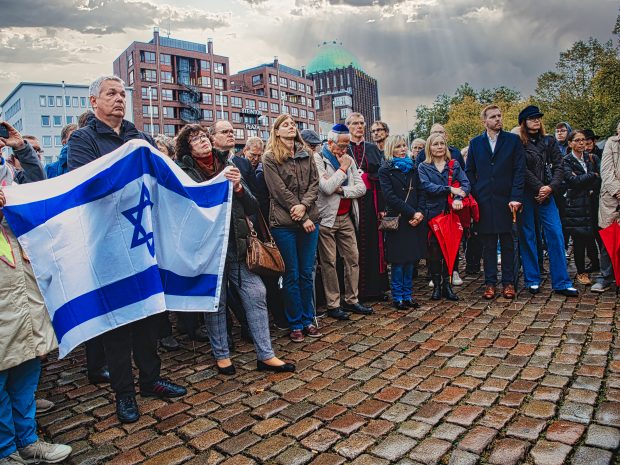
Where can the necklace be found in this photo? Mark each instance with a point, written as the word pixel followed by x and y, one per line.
pixel 361 163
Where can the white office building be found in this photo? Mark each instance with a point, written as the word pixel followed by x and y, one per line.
pixel 42 110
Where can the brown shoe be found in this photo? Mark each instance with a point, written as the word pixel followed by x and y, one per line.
pixel 297 336
pixel 312 331
pixel 489 292
pixel 509 291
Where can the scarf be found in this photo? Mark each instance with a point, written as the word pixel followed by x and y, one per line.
pixel 209 165
pixel 333 160
pixel 404 164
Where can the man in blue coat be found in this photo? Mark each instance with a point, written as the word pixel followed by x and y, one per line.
pixel 495 168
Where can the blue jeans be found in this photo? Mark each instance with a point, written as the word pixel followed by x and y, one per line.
pixel 298 250
pixel 402 281
pixel 18 427
pixel 551 227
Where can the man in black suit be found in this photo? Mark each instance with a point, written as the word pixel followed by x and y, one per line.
pixel 223 139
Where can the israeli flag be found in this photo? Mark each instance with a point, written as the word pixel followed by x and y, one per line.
pixel 124 237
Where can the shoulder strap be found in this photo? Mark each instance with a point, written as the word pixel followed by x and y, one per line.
pixel 450 171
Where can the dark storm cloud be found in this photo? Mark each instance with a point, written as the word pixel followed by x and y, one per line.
pixel 103 16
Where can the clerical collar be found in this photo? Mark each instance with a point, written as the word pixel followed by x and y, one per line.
pixel 358 143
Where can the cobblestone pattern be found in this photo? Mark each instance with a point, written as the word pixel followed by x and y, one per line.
pixel 534 381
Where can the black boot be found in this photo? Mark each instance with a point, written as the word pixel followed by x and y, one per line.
pixel 436 287
pixel 447 291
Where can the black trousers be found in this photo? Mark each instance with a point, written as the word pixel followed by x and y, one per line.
pixel 473 251
pixel 436 263
pixel 139 337
pixel 489 247
pixel 95 354
pixel 581 243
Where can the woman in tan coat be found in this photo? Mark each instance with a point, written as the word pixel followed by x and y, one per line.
pixel 609 204
pixel 25 330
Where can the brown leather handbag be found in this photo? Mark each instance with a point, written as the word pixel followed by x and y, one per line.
pixel 263 258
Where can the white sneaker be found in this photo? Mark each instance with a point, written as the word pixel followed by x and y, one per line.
pixel 456 279
pixel 13 459
pixel 431 284
pixel 42 451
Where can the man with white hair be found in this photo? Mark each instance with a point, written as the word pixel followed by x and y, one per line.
pixel 340 185
pixel 103 133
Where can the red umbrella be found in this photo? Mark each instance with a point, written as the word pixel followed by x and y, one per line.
pixel 448 230
pixel 611 239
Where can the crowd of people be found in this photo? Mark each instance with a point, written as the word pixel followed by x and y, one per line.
pixel 344 212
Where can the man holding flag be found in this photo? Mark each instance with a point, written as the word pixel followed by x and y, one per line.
pixel 107 131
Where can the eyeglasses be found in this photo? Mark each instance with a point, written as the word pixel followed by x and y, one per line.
pixel 198 138
pixel 578 140
pixel 561 130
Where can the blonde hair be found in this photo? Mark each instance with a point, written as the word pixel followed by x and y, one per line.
pixel 275 145
pixel 427 150
pixel 390 145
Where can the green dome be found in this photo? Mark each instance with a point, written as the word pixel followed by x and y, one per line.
pixel 332 55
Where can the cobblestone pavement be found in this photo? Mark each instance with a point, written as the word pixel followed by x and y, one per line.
pixel 534 381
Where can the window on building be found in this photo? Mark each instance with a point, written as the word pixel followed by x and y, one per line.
pixel 257 79
pixel 205 81
pixel 42 101
pixel 283 81
pixel 308 90
pixel 57 120
pixel 147 57
pixel 274 93
pixel 47 141
pixel 236 102
pixel 273 79
pixel 344 112
pixel 207 99
pixel 302 100
pixel 207 115
pixel 146 110
pixel 131 77
pixel 166 94
pixel 252 133
pixel 275 108
pixel 83 102
pixel 67 101
pixel 165 59
pixel 265 135
pixel 221 100
pixel 18 125
pixel 219 68
pixel 168 112
pixel 45 121
pixel 147 128
pixel 249 103
pixel 145 93
pixel 239 134
pixel 169 130
pixel 69 119
pixel 301 87
pixel 166 77
pixel 148 75
pixel 219 83
pixel 221 115
pixel 57 141
pixel 75 102
pixel 317 104
pixel 236 117
pixel 13 109
pixel 50 100
pixel 292 85
pixel 292 98
pixel 59 101
pixel 205 65
pixel 129 59
pixel 294 111
pixel 311 114
pixel 303 113
pixel 263 106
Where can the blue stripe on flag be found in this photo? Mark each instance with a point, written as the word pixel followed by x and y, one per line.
pixel 128 291
pixel 23 218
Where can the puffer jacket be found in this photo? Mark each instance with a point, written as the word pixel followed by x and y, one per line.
pixel 25 327
pixel 538 153
pixel 610 183
pixel 294 182
pixel 580 213
pixel 243 204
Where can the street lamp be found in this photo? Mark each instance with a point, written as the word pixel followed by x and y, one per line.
pixel 151 109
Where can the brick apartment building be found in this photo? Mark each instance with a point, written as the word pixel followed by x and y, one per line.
pixel 177 82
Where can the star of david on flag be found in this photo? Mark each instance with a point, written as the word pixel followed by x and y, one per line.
pixel 124 237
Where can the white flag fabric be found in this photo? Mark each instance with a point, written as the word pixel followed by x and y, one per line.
pixel 126 236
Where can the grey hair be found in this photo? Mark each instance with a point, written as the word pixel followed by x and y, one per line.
pixel 95 87
pixel 254 141
pixel 334 136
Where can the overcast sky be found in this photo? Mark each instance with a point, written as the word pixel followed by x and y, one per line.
pixel 416 49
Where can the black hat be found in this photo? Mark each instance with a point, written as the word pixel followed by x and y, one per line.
pixel 589 134
pixel 530 111
pixel 310 137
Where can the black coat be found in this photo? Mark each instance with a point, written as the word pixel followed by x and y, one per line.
pixel 583 188
pixel 496 179
pixel 543 165
pixel 247 171
pixel 407 244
